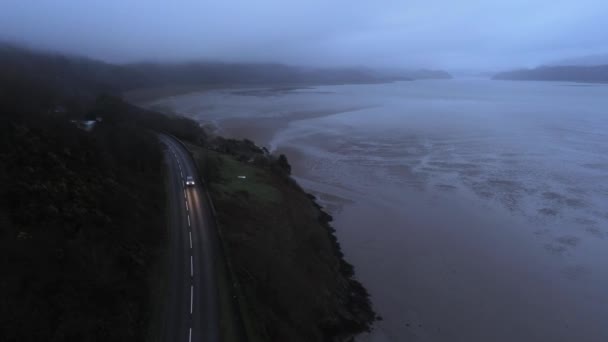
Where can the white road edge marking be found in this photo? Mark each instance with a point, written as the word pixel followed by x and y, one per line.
pixel 190 235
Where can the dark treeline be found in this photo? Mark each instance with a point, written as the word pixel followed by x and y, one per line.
pixel 80 76
pixel 591 74
pixel 212 73
pixel 64 75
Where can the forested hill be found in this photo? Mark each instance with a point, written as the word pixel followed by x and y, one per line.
pixel 590 74
pixel 82 217
pixel 77 76
pixel 81 228
pixel 217 73
pixel 65 76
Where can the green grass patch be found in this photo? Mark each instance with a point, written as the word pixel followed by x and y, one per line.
pixel 224 174
pixel 255 184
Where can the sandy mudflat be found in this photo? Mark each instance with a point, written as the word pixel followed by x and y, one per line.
pixel 143 95
pixel 433 190
pixel 262 130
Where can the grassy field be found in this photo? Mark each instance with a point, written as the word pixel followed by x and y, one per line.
pixel 240 178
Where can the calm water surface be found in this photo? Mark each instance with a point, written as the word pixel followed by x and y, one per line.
pixel 473 210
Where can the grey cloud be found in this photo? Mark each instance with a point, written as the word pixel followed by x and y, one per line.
pixel 432 33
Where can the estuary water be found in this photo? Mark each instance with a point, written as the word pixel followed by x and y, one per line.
pixel 472 210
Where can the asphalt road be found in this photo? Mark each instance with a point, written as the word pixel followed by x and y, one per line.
pixel 191 310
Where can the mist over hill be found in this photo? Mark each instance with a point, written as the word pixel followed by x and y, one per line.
pixel 75 76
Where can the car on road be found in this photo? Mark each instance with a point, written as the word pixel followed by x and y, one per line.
pixel 189 181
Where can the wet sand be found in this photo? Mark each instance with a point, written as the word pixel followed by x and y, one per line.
pixel 465 219
pixel 262 130
pixel 142 96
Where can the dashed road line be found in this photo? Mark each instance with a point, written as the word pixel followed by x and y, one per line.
pixel 191 297
pixel 190 237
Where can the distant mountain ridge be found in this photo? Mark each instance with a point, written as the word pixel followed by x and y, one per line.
pixel 586 74
pixel 74 76
pixel 221 73
pixel 427 74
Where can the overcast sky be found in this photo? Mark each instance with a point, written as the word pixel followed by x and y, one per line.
pixel 450 34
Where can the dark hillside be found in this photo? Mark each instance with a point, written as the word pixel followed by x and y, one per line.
pixel 82 238
pixel 81 231
pixel 78 77
pixel 222 74
pixel 67 76
pixel 81 214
